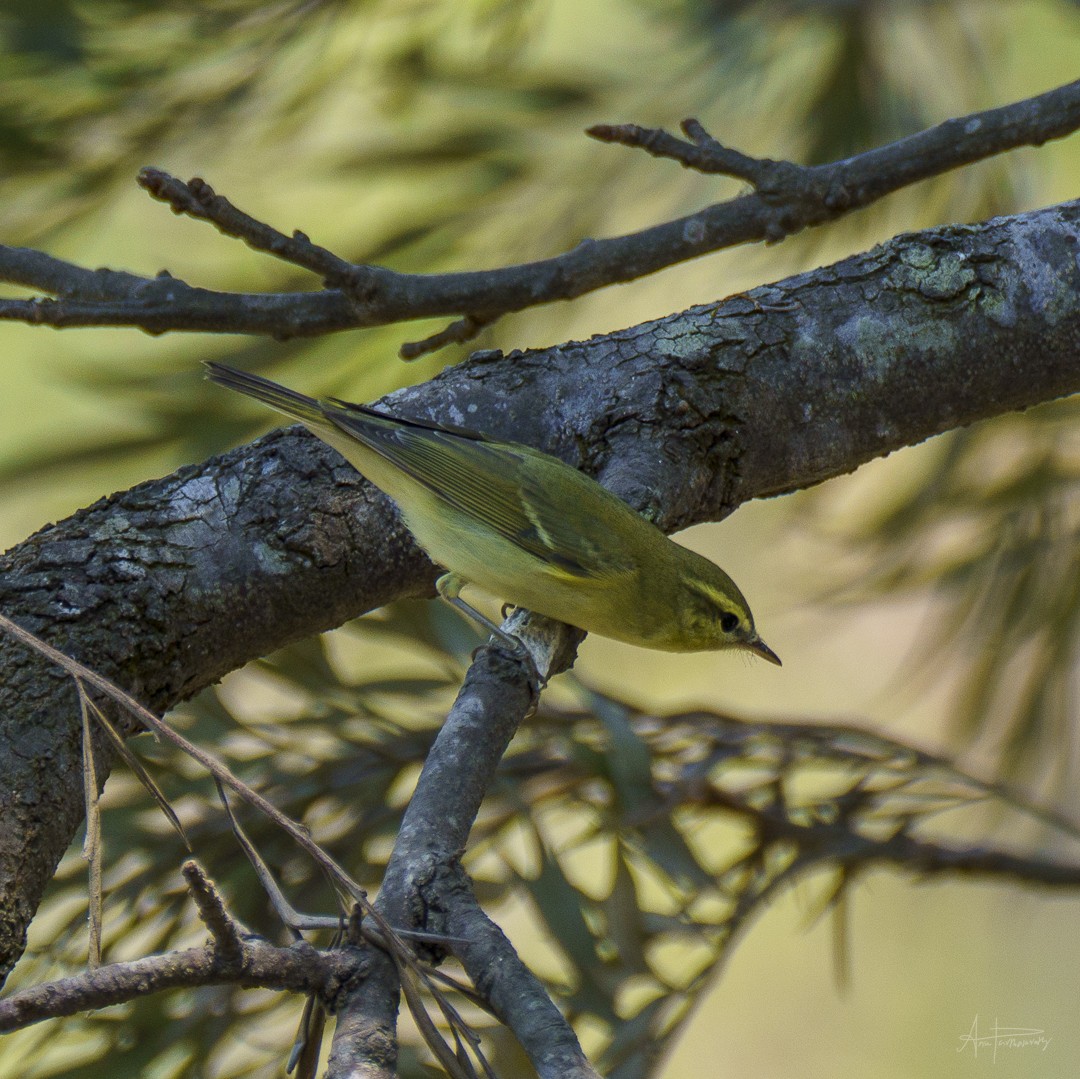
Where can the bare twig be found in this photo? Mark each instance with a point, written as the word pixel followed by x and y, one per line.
pixel 295 920
pixel 232 957
pixel 261 965
pixel 703 153
pixel 842 186
pixel 197 199
pixel 786 199
pixel 457 333
pixel 292 919
pixel 211 907
pixel 92 843
pixel 137 769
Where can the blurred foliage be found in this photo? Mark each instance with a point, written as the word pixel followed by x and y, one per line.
pixel 89 90
pixel 993 527
pixel 455 131
pixel 641 844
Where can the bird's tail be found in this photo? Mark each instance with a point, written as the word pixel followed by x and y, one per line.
pixel 305 409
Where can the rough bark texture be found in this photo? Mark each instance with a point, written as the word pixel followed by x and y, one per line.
pixel 166 587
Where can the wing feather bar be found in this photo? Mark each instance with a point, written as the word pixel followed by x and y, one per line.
pixel 484 481
pixel 464 472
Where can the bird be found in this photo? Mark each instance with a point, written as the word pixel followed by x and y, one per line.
pixel 527 528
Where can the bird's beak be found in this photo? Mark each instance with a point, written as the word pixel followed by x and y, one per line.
pixel 760 648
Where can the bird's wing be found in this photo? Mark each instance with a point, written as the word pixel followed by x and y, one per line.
pixel 496 484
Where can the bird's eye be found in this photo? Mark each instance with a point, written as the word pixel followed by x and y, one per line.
pixel 729 622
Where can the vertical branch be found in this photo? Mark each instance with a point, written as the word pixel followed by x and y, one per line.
pixel 424 871
pixel 91 850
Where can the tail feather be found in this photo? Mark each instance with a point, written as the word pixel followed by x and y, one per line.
pixel 305 409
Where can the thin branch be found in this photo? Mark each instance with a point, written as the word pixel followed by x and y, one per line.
pixel 291 919
pixel 457 333
pixel 225 930
pixel 702 154
pixel 409 972
pixel 197 199
pixel 92 851
pixel 260 965
pixel 87 703
pixel 513 992
pixel 295 920
pixel 846 185
pixel 786 199
pixel 232 957
pixel 495 697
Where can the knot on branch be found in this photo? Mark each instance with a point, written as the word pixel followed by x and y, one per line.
pixel 350 968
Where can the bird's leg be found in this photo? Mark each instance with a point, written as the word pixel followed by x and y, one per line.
pixel 449 586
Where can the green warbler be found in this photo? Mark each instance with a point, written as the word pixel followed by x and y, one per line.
pixel 527 528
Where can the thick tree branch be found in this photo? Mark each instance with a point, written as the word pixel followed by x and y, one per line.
pixel 787 198
pixel 166 587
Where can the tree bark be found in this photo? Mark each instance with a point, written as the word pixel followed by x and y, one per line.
pixel 166 587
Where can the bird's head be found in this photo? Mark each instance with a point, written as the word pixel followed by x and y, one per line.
pixel 714 613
